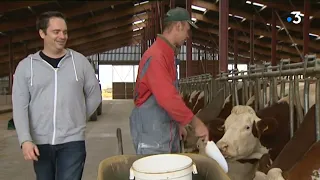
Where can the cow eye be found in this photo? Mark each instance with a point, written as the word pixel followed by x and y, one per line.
pixel 221 128
pixel 247 127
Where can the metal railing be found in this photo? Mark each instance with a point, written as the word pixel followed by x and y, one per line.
pixel 201 82
pixel 267 85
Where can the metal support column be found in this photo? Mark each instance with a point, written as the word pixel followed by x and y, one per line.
pixel 172 4
pixel 98 64
pixel 223 35
pixel 306 27
pixel 235 48
pixel 251 42
pixel 274 39
pixel 200 63
pixel 10 65
pixel 189 44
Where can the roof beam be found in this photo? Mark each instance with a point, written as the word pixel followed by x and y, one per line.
pixel 108 42
pixel 240 27
pixel 135 40
pixel 284 7
pixel 249 16
pixel 11 6
pixel 243 53
pixel 78 34
pixel 132 36
pixel 74 42
pixel 257 42
pixel 76 24
pixel 30 21
pixel 258 50
pixel 107 48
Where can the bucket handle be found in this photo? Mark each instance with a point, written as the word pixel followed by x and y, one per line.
pixel 194 167
pixel 195 171
pixel 131 177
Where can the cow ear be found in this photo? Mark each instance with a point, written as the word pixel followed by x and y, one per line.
pixel 216 129
pixel 217 124
pixel 255 130
pixel 267 126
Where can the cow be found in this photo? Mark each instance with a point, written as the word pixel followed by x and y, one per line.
pixel 195 102
pixel 190 99
pixel 213 116
pixel 251 100
pixel 279 112
pixel 249 135
pixel 300 156
pixel 312 96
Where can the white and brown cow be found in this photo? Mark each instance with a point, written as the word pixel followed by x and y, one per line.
pixel 249 135
pixel 241 142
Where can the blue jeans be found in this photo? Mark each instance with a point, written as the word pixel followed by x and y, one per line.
pixel 60 162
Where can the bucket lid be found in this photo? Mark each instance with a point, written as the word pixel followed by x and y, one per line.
pixel 162 163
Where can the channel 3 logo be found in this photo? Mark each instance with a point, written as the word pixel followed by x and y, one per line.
pixel 296 19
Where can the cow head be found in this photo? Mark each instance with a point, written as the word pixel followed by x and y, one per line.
pixel 243 129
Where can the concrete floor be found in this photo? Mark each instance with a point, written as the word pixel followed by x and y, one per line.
pixel 101 142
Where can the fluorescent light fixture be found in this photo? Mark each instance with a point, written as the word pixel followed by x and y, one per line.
pixel 276 26
pixel 261 36
pixel 144 2
pixel 256 4
pixel 315 35
pixel 136 29
pixel 140 21
pixel 140 14
pixel 240 17
pixel 198 8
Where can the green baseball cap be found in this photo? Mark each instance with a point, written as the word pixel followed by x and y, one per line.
pixel 179 14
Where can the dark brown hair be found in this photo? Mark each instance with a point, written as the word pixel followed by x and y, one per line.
pixel 43 20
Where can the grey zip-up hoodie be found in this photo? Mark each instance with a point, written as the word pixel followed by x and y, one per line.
pixel 51 105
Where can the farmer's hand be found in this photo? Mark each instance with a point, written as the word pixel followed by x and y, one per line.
pixel 183 133
pixel 200 129
pixel 30 151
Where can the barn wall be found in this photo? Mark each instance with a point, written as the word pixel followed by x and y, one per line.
pixel 121 90
pixel 198 68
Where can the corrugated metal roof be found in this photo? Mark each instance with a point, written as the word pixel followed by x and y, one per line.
pixel 127 53
pixel 133 53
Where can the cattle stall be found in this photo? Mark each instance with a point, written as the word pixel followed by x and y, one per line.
pixel 199 83
pixel 269 84
pixel 295 83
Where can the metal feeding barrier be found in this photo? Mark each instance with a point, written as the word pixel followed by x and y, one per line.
pixel 201 82
pixel 265 85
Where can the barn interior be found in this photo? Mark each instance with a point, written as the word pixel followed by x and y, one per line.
pixel 233 38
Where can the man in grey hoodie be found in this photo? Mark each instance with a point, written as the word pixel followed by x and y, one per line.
pixel 54 92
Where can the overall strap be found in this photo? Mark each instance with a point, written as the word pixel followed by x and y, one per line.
pixel 141 75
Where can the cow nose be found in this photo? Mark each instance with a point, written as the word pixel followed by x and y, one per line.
pixel 222 146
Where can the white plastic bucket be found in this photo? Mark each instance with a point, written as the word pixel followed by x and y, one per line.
pixel 163 166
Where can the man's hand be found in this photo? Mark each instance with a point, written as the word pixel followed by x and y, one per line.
pixel 183 133
pixel 30 151
pixel 200 129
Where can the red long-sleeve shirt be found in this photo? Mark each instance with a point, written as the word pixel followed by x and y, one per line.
pixel 159 80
